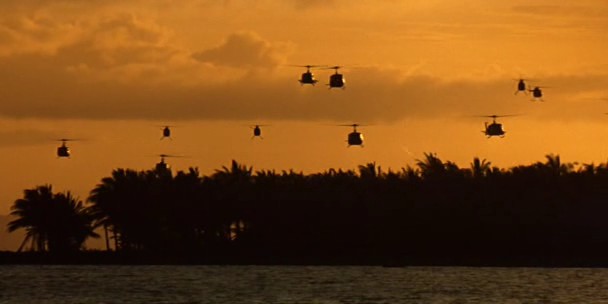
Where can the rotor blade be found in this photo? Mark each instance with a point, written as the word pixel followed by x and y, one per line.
pixel 353 125
pixel 524 79
pixel 254 125
pixel 69 139
pixel 169 155
pixel 309 66
pixel 497 116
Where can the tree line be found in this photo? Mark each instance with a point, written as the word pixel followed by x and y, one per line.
pixel 434 210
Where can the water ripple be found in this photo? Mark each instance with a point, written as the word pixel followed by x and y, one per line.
pixel 298 284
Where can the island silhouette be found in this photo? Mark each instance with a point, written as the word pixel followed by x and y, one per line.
pixel 548 213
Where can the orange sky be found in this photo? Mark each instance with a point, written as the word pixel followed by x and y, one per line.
pixel 418 72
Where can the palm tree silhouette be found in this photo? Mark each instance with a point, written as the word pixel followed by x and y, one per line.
pixel 31 211
pixel 235 185
pixel 71 224
pixel 370 171
pixel 119 205
pixel 431 166
pixel 480 168
pixel 554 165
pixel 53 222
pixel 236 173
pixel 434 209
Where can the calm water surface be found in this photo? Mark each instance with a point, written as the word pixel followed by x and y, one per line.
pixel 299 284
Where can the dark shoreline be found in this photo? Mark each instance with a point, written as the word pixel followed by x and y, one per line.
pixel 116 258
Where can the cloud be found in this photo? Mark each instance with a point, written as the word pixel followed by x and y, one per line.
pixel 26 137
pixel 244 49
pixel 123 66
pixel 34 34
pixel 116 48
pixel 36 87
pixel 308 4
pixel 104 39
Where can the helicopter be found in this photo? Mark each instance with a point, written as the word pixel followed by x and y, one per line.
pixel 537 93
pixel 308 77
pixel 63 150
pixel 166 132
pixel 162 165
pixel 494 128
pixel 336 80
pixel 521 86
pixel 354 138
pixel 257 131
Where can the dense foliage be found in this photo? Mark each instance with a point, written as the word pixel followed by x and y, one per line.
pixel 433 210
pixel 53 222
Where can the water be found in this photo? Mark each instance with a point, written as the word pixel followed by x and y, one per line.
pixel 299 284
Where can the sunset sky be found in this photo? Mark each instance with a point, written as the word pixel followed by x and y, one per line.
pixel 419 74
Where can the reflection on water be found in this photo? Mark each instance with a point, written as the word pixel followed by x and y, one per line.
pixel 299 284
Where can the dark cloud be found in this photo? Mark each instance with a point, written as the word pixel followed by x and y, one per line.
pixel 26 137
pixel 37 34
pixel 35 87
pixel 244 49
pixel 308 4
pixel 117 41
pixel 126 68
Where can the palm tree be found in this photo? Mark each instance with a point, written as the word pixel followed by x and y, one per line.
pixel 53 222
pixel 70 224
pixel 103 205
pixel 116 203
pixel 480 168
pixel 235 185
pixel 236 173
pixel 431 166
pixel 370 171
pixel 31 213
pixel 554 166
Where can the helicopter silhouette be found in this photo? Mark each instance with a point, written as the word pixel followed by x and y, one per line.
pixel 521 86
pixel 494 128
pixel 257 131
pixel 162 165
pixel 63 151
pixel 166 132
pixel 537 93
pixel 308 77
pixel 336 80
pixel 354 138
